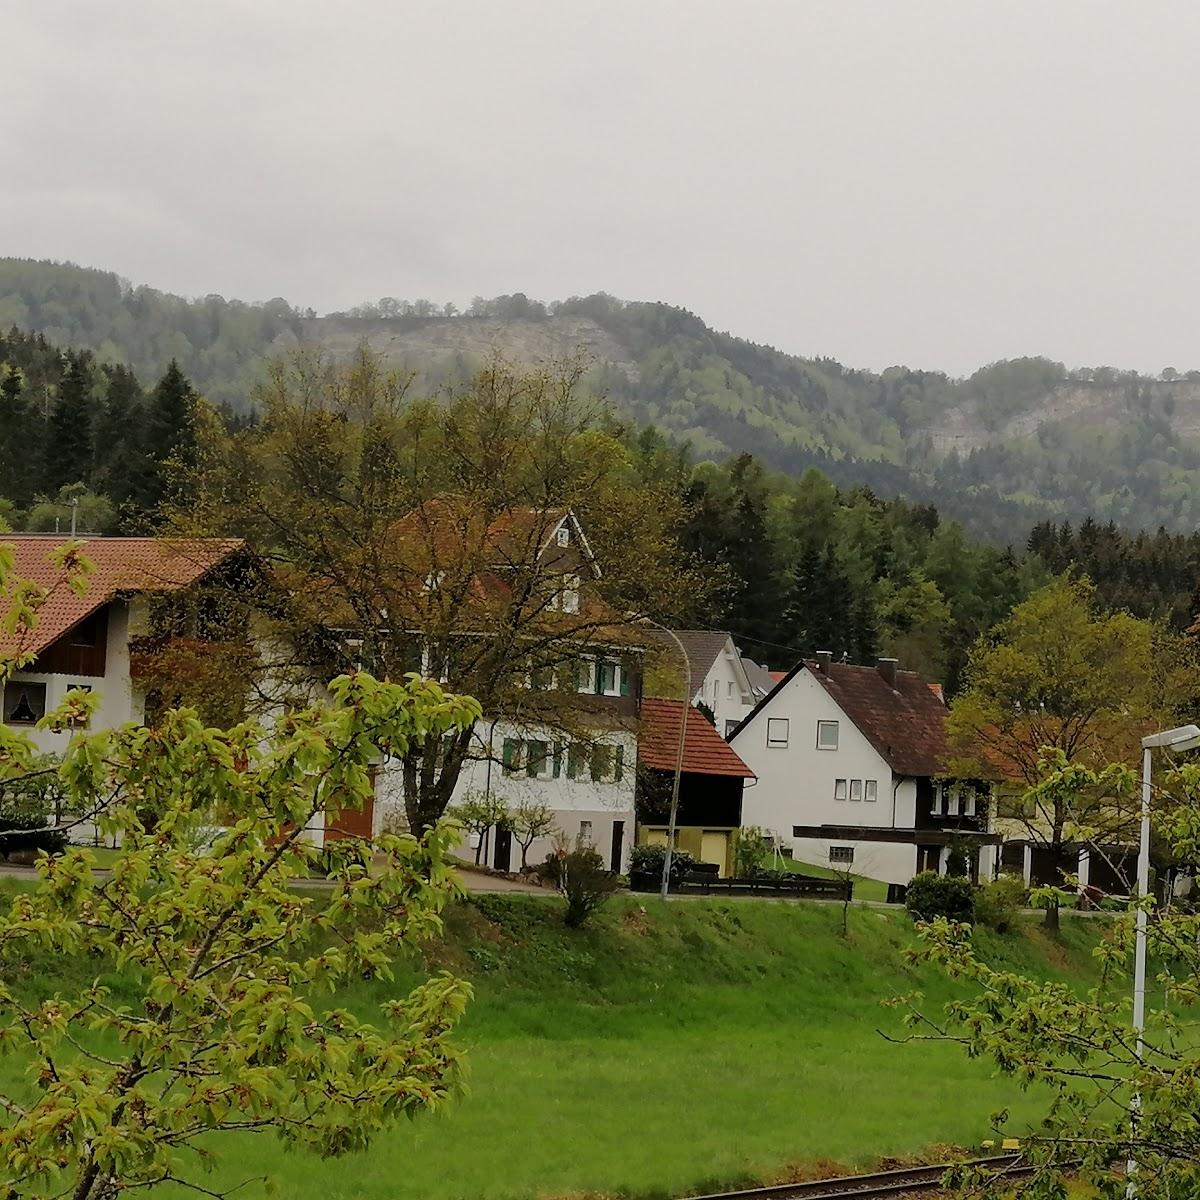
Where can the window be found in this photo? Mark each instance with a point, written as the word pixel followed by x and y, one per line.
pixel 730 726
pixel 568 598
pixel 856 789
pixel 935 805
pixel 585 832
pixel 537 755
pixel 542 679
pixel 24 703
pixel 563 534
pixel 608 680
pixel 827 735
pixel 777 731
pixel 577 757
pixel 839 789
pixel 968 801
pixel 87 632
pixel 870 790
pixel 586 675
pixel 601 762
pixel 841 854
pixel 729 689
pixel 952 801
pixel 512 755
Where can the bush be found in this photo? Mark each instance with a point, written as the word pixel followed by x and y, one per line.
pixel 931 895
pixel 998 903
pixel 750 851
pixel 646 866
pixel 581 878
pixel 24 845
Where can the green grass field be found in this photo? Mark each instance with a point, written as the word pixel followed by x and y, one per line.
pixel 864 888
pixel 666 1050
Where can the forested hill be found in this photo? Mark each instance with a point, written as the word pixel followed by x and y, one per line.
pixel 1015 442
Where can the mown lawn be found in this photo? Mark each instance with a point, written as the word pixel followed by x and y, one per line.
pixel 670 1049
pixel 864 888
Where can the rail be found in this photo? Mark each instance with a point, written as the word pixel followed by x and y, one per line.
pixel 902 1182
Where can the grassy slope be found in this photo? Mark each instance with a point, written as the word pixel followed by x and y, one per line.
pixel 668 1050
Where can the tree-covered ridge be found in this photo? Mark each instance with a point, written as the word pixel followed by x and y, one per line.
pixel 1016 442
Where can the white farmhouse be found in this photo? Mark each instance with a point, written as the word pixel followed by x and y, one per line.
pixel 87 640
pixel 719 675
pixel 849 761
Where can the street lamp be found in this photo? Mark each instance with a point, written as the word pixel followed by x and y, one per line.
pixel 687 703
pixel 1186 737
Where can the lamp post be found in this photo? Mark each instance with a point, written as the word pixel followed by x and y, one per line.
pixel 1185 737
pixel 687 703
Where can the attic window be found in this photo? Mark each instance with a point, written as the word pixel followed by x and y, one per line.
pixel 777 731
pixel 563 535
pixel 87 632
pixel 827 735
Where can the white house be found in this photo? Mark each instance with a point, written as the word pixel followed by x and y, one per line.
pixel 719 676
pixel 849 761
pixel 84 640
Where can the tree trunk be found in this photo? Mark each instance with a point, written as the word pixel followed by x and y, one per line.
pixel 1052 924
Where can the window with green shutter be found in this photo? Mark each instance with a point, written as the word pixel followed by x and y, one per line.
pixel 576 760
pixel 601 763
pixel 511 756
pixel 536 754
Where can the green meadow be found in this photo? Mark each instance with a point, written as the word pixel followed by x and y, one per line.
pixel 665 1050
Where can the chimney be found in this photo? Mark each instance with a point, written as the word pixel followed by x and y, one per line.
pixel 824 661
pixel 887 667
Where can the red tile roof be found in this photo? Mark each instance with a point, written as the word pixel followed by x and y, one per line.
pixel 119 565
pixel 705 752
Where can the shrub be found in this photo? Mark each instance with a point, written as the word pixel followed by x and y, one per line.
pixel 581 878
pixel 647 862
pixel 750 851
pixel 24 845
pixel 931 895
pixel 998 903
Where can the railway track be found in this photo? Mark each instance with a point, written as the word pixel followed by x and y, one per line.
pixel 903 1182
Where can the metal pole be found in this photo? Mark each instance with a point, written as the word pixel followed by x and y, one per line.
pixel 1139 960
pixel 687 703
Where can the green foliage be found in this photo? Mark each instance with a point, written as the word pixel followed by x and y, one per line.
pixel 932 896
pixel 581 877
pixel 649 860
pixel 751 851
pixel 223 1021
pixel 32 798
pixel 530 820
pixel 998 903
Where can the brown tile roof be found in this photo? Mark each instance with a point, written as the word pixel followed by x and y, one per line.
pixel 119 564
pixel 907 724
pixel 705 752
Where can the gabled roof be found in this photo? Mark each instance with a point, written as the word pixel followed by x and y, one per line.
pixel 705 752
pixel 761 679
pixel 120 565
pixel 906 724
pixel 702 646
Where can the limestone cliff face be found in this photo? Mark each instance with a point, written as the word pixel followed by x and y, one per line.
pixel 405 342
pixel 1115 406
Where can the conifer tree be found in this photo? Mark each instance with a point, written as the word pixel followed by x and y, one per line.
pixel 18 440
pixel 68 448
pixel 170 436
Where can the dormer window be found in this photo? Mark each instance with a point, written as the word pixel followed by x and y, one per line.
pixel 563 535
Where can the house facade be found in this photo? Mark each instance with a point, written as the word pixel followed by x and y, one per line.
pixel 849 763
pixel 88 640
pixel 719 676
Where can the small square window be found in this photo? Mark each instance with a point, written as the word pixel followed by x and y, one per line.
pixel 827 735
pixel 839 789
pixel 870 790
pixel 841 854
pixel 730 726
pixel 856 789
pixel 24 703
pixel 777 731
pixel 563 536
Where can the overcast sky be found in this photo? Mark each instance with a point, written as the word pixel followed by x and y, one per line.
pixel 940 184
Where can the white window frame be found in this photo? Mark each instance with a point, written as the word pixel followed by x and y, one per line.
pixel 821 727
pixel 599 666
pixel 953 804
pixel 568 598
pixel 587 687
pixel 585 833
pixel 968 801
pixel 842 856
pixel 774 740
pixel 562 535
pixel 870 791
pixel 856 791
pixel 731 723
pixel 936 805
pixel 840 789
